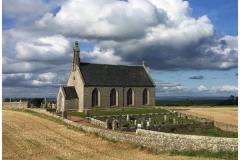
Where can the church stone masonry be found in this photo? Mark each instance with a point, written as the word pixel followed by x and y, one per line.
pixel 105 86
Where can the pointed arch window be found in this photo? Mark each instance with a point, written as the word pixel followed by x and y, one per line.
pixel 95 97
pixel 145 96
pixel 130 97
pixel 113 97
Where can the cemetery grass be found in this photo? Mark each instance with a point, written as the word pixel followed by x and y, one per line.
pixel 214 132
pixel 207 154
pixel 119 112
pixel 28 135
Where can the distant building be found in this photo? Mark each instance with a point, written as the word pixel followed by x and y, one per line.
pixel 105 86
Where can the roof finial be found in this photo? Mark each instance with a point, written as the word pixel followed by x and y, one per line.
pixel 143 63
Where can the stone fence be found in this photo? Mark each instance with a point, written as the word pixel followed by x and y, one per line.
pixel 204 118
pixel 97 122
pixel 226 127
pixel 15 105
pixel 158 141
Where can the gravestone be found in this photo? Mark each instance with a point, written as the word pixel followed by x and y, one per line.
pixel 179 114
pixel 174 120
pixel 64 114
pixel 149 119
pixel 135 122
pixel 142 123
pixel 147 124
pixel 139 126
pixel 127 117
pixel 166 118
pixel 87 113
pixel 114 124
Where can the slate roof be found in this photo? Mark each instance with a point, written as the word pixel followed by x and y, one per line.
pixel 114 75
pixel 70 92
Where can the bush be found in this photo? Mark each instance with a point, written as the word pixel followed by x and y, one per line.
pixel 35 102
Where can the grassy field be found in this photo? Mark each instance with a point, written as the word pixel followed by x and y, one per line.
pixel 33 136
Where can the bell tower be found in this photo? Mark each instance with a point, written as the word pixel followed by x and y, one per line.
pixel 76 54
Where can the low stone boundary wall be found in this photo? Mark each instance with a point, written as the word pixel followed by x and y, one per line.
pixel 226 127
pixel 190 142
pixel 17 105
pixel 97 122
pixel 159 141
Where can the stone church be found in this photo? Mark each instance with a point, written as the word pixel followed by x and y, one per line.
pixel 105 86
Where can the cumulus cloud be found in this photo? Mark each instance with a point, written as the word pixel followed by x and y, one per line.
pixel 164 34
pixel 196 77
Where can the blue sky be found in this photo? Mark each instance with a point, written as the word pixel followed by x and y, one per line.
pixel 190 47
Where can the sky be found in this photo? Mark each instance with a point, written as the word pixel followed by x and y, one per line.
pixel 189 47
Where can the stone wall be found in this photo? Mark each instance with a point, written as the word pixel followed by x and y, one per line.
pixel 18 105
pixel 226 127
pixel 159 141
pixel 97 122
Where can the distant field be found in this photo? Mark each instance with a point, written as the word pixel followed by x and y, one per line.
pixel 227 115
pixel 25 136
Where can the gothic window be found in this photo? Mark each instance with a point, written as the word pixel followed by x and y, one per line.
pixel 95 98
pixel 145 96
pixel 130 97
pixel 113 97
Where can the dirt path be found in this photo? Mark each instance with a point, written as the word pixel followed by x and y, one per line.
pixel 227 115
pixel 30 137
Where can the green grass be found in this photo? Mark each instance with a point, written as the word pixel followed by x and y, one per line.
pixel 118 112
pixel 207 154
pixel 214 132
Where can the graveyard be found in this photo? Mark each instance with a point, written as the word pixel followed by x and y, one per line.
pixel 164 122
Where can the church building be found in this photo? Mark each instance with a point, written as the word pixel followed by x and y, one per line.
pixel 105 86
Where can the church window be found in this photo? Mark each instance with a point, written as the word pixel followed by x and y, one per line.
pixel 130 97
pixel 113 97
pixel 95 97
pixel 145 96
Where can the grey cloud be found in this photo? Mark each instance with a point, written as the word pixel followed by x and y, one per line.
pixel 196 77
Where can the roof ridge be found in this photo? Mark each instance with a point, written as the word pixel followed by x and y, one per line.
pixel 111 64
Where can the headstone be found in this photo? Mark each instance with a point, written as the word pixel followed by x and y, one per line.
pixel 64 114
pixel 174 120
pixel 114 124
pixel 142 123
pixel 135 122
pixel 45 102
pixel 147 124
pixel 20 100
pixel 166 118
pixel 149 119
pixel 87 113
pixel 139 126
pixel 179 114
pixel 106 124
pixel 127 117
